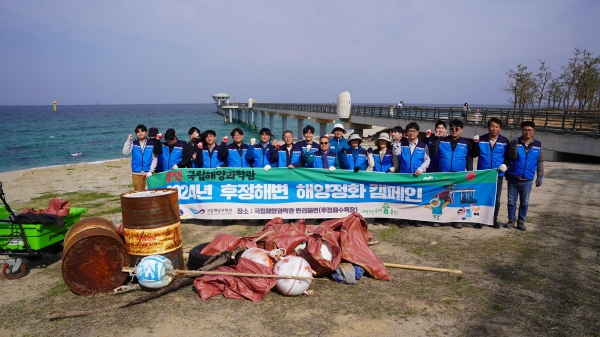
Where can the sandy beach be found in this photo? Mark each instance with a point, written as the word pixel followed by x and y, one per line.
pixel 543 281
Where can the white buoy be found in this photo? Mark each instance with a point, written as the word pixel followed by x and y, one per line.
pixel 152 272
pixel 292 266
pixel 259 256
pixel 343 105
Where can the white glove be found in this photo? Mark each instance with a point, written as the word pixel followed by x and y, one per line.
pixel 331 168
pixel 502 168
pixel 148 175
pixel 308 147
pixel 174 167
pixel 392 169
pixel 252 141
pixel 476 139
pixel 267 168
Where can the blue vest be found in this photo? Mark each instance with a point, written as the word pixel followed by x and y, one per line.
pixel 409 163
pixel 262 159
pixel 300 148
pixel 526 163
pixel 453 161
pixel 492 158
pixel 336 145
pixel 234 159
pixel 173 157
pixel 283 157
pixel 385 164
pixel 211 160
pixel 318 160
pixel 141 161
pixel 348 162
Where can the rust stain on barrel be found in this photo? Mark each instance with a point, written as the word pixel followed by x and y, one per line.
pixel 151 225
pixel 93 259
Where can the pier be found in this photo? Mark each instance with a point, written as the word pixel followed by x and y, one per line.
pixel 562 133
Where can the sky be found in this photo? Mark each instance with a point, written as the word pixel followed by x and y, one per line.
pixel 305 51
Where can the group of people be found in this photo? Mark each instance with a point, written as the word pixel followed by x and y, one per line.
pixel 518 161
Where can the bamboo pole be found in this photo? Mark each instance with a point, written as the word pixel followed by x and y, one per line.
pixel 406 266
pixel 202 272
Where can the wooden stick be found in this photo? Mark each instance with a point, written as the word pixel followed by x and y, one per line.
pixel 406 266
pixel 263 236
pixel 202 272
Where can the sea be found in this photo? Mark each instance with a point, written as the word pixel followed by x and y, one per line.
pixel 35 136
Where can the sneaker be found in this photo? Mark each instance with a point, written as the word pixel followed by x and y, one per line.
pixel 436 224
pixel 417 223
pixel 496 225
pixel 509 224
pixel 403 223
pixel 387 223
pixel 376 223
pixel 477 225
pixel 457 225
pixel 521 225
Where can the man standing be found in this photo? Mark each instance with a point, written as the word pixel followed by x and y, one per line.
pixel 263 154
pixel 208 156
pixel 301 147
pixel 194 134
pixel 143 158
pixel 174 152
pixel 338 142
pixel 440 131
pixel 287 157
pixel 154 135
pixel 235 154
pixel 491 150
pixel 526 158
pixel 397 134
pixel 414 156
pixel 455 154
pixel 323 158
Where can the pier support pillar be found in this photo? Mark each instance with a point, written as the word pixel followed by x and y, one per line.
pixel 284 122
pixel 230 117
pixel 272 123
pixel 323 125
pixel 262 120
pixel 300 125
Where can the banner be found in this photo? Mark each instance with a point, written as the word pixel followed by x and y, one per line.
pixel 236 193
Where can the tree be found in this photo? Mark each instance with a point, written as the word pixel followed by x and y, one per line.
pixel 521 85
pixel 542 79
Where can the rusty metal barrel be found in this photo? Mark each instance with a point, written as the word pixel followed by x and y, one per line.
pixel 93 257
pixel 151 225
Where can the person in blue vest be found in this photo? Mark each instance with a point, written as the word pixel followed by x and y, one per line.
pixel 526 161
pixel 455 154
pixel 207 155
pixel 440 130
pixel 143 158
pixel 263 154
pixel 286 156
pixel 354 158
pixel 174 152
pixel 383 159
pixel 234 154
pixel 338 142
pixel 154 135
pixel 491 149
pixel 194 134
pixel 413 158
pixel 324 158
pixel 301 147
pixel 397 135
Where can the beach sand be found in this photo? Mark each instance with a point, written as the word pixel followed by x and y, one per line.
pixel 514 283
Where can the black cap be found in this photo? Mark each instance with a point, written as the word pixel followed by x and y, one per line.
pixel 152 132
pixel 170 134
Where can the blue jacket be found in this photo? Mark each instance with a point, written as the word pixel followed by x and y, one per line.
pixel 210 159
pixel 453 160
pixel 491 158
pixel 284 158
pixel 410 162
pixel 142 160
pixel 316 160
pixel 337 145
pixel 236 156
pixel 351 158
pixel 172 156
pixel 385 164
pixel 299 150
pixel 526 163
pixel 261 156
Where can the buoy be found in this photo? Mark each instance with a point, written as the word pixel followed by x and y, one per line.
pixel 292 266
pixel 259 255
pixel 152 271
pixel 326 251
pixel 54 103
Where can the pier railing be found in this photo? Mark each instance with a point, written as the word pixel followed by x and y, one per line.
pixel 547 120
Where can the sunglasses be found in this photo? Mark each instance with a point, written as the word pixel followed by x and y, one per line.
pixel 324 143
pixel 454 128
